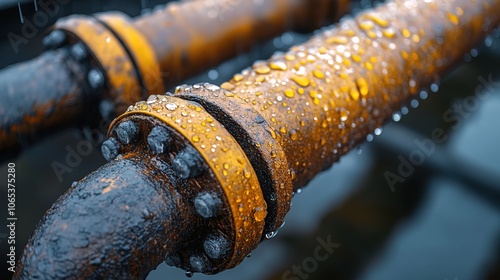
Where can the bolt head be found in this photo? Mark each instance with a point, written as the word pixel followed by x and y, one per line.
pixel 95 78
pixel 199 263
pixel 55 39
pixel 110 149
pixel 159 140
pixel 127 132
pixel 188 163
pixel 216 246
pixel 181 167
pixel 172 260
pixel 79 51
pixel 207 204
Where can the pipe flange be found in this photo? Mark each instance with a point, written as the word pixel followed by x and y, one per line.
pixel 123 81
pixel 211 171
pixel 257 139
pixel 142 53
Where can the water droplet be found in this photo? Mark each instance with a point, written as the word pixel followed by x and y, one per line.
pixel 289 92
pixel 289 57
pixel 293 135
pixel 298 191
pixel 369 137
pixel 271 234
pixel 273 197
pixel 396 117
pixel 213 74
pixel 247 174
pixel 366 25
pixel 354 93
pixel 406 33
pixel 301 81
pixel 152 99
pixel 343 115
pixel 259 214
pixel 434 87
pixel 378 20
pixel 318 74
pixel 360 151
pixel 453 18
pixel 404 110
pixel 337 40
pixel 488 41
pixel 227 86
pixel 356 58
pixel 377 131
pixel 195 139
pixel 171 106
pixel 424 94
pixel 225 165
pixel 278 65
pixel 414 103
pixel 238 77
pixel 389 33
pixel 189 274
pixel 287 38
pixel 474 53
pixel 262 70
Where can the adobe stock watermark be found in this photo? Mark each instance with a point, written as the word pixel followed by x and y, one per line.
pixel 75 155
pixel 31 28
pixel 426 147
pixel 309 265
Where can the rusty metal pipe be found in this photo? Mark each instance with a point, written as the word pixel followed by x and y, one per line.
pixel 140 227
pixel 124 60
pixel 46 94
pixel 241 149
pixel 233 26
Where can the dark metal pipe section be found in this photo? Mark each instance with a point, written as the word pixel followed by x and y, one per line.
pixel 139 222
pixel 238 151
pixel 46 87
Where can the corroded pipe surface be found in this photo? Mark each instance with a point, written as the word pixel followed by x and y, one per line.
pixel 213 31
pixel 46 87
pixel 244 147
pixel 139 224
pixel 124 60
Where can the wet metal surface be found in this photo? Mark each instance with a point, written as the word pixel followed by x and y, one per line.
pixel 126 60
pixel 355 101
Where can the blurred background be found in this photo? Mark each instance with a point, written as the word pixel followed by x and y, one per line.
pixel 441 220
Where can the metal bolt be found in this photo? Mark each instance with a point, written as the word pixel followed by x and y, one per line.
pixel 158 139
pixel 207 204
pixel 188 164
pixel 198 263
pixel 172 260
pixel 127 132
pixel 110 148
pixel 95 78
pixel 216 246
pixel 79 51
pixel 55 39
